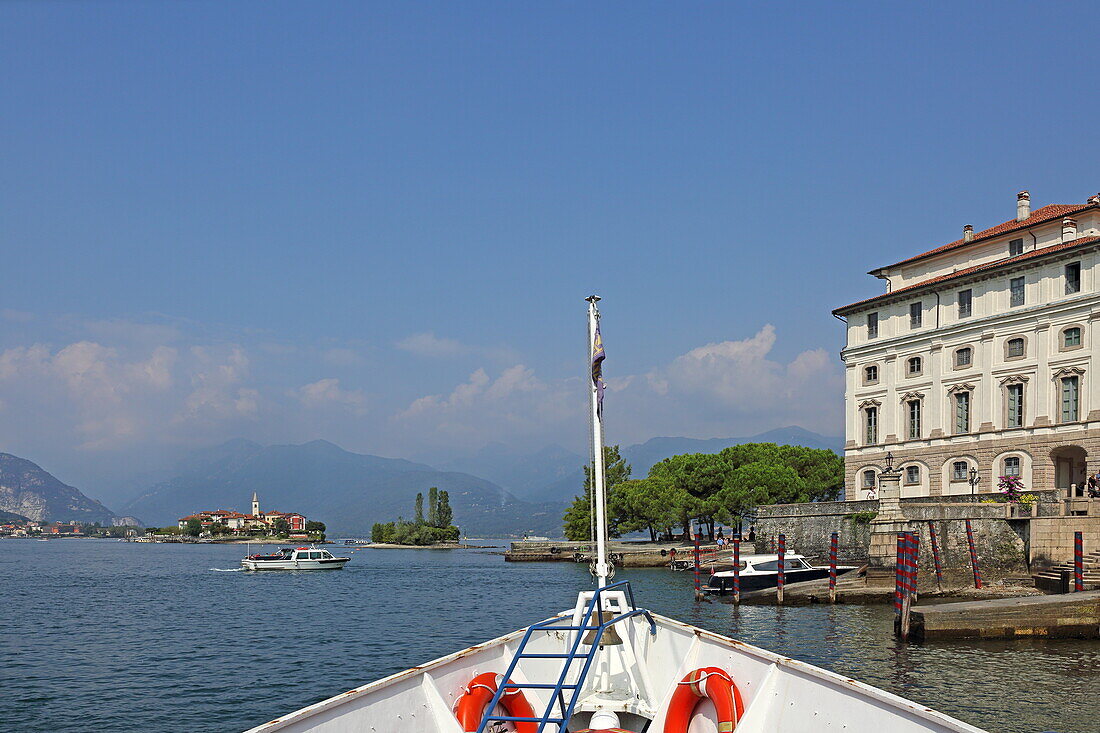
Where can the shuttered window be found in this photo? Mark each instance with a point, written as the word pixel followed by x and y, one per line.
pixel 1070 398
pixel 965 301
pixel 1016 291
pixel 1015 407
pixel 914 419
pixel 871 418
pixel 962 412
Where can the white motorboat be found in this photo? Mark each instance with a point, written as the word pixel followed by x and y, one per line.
pixel 608 666
pixel 295 558
pixel 762 571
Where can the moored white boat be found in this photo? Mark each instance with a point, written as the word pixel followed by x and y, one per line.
pixel 295 558
pixel 758 572
pixel 608 666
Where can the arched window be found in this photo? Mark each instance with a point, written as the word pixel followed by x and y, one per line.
pixel 1014 349
pixel 869 479
pixel 964 357
pixel 913 366
pixel 1012 466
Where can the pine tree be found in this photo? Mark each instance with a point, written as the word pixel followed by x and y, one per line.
pixel 420 508
pixel 446 516
pixel 433 507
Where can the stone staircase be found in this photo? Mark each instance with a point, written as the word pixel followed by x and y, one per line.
pixel 1050 580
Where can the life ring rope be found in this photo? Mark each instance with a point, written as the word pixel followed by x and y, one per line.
pixel 477 694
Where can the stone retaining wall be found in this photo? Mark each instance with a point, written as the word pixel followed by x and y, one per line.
pixel 1052 538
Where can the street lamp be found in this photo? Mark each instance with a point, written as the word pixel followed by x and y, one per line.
pixel 889 462
pixel 974 479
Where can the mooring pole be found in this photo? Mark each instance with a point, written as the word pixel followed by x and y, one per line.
pixel 780 576
pixel 936 556
pixel 898 579
pixel 736 570
pixel 973 555
pixel 1078 563
pixel 909 562
pixel 832 566
pixel 698 591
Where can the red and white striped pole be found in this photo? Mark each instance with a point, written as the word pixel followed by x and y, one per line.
pixel 973 555
pixel 1078 563
pixel 936 555
pixel 833 539
pixel 698 590
pixel 736 571
pixel 780 576
pixel 899 583
pixel 908 561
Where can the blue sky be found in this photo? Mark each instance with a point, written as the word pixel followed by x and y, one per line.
pixel 375 222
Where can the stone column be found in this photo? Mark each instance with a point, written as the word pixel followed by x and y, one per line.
pixel 885 527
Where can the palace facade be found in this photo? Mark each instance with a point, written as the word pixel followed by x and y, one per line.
pixel 977 360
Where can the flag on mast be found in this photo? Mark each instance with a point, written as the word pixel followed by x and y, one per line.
pixel 598 356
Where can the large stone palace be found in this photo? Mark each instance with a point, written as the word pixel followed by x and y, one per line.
pixel 976 362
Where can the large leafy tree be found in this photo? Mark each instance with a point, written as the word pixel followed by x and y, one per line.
pixel 578 517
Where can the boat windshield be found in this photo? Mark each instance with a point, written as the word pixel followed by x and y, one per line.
pixel 790 563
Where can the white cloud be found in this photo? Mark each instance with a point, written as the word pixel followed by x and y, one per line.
pixel 726 388
pixel 428 344
pixel 327 392
pixel 216 393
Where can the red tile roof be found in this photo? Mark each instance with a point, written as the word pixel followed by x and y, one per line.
pixel 976 269
pixel 1042 215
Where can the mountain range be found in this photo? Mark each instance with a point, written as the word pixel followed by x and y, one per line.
pixel 348 491
pixel 27 490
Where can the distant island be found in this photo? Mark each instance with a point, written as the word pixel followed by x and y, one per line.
pixel 231 524
pixel 422 531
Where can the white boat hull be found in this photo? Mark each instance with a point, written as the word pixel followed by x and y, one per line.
pixel 781 695
pixel 331 564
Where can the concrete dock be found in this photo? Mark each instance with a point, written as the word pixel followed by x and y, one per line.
pixel 1070 615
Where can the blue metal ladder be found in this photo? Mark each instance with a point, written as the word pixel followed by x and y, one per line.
pixel 558 688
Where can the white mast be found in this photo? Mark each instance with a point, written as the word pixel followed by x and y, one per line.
pixel 602 569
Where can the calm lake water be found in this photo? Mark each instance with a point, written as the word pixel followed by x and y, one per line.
pixel 109 636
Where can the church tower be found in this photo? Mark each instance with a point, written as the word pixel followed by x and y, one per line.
pixel 255 505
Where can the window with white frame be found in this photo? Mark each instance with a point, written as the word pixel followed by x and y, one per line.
pixel 1012 466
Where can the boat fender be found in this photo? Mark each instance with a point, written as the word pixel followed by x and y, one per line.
pixel 554 551
pixel 664 552
pixel 476 696
pixel 709 682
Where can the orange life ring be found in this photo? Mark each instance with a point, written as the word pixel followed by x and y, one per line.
pixel 476 696
pixel 709 682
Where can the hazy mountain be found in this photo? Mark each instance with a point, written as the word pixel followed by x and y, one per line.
pixel 12 517
pixel 29 490
pixel 555 474
pixel 348 491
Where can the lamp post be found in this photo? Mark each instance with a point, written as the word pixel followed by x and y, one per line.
pixel 974 479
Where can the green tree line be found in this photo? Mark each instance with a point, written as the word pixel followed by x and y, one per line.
pixel 431 529
pixel 706 487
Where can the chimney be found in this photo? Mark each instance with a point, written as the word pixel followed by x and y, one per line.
pixel 1094 200
pixel 968 233
pixel 1069 229
pixel 1023 205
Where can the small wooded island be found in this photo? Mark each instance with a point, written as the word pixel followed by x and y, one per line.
pixel 434 529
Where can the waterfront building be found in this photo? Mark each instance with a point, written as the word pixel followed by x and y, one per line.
pixel 976 361
pixel 256 521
